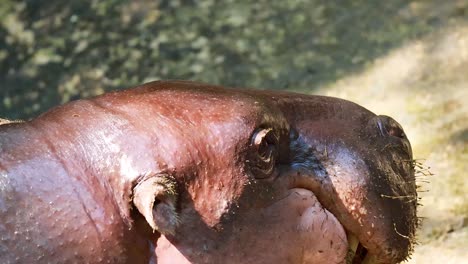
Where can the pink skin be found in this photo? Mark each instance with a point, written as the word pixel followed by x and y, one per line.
pixel 259 178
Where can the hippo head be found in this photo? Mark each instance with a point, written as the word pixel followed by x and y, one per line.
pixel 180 172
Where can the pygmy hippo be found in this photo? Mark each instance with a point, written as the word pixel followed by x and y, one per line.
pixel 184 172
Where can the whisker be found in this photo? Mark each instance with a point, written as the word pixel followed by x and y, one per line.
pixel 400 234
pixel 397 197
pixel 422 181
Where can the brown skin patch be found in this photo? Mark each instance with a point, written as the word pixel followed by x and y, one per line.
pixel 255 176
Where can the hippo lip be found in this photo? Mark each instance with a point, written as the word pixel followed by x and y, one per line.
pixel 357 253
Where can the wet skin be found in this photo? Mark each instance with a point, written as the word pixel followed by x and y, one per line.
pixel 183 172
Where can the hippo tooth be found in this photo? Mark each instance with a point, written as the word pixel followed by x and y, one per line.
pixel 353 244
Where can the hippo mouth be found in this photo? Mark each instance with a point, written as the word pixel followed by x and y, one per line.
pixel 356 252
pixel 362 247
pixel 375 210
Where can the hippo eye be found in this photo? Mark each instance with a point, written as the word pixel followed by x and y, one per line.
pixel 264 143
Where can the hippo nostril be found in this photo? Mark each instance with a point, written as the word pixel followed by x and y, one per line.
pixel 389 127
pixel 396 132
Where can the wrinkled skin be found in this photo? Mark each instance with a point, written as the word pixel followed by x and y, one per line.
pixel 181 172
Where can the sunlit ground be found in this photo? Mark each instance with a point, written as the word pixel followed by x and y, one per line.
pixel 424 85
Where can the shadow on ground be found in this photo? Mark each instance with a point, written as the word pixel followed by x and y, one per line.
pixel 54 51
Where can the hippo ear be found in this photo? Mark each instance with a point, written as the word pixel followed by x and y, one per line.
pixel 155 197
